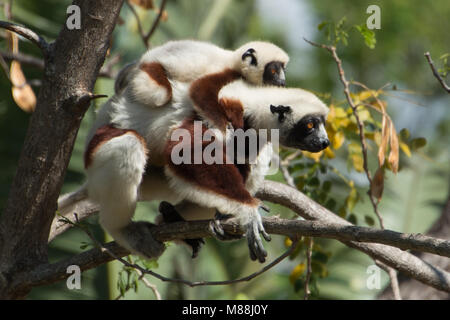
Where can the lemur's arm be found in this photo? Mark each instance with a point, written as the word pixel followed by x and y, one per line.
pixel 204 93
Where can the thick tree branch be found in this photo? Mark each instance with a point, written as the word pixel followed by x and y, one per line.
pixel 436 73
pixel 324 224
pixel 402 261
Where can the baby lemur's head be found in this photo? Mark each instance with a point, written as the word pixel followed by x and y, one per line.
pixel 262 63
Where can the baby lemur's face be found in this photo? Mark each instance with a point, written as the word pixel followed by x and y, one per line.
pixel 262 63
pixel 272 72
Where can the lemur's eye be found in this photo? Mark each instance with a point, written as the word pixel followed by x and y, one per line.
pixel 310 125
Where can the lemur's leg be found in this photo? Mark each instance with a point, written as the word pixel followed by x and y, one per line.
pixel 170 214
pixel 150 85
pixel 155 186
pixel 115 162
pixel 223 188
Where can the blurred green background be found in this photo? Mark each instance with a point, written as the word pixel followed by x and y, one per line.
pixel 413 199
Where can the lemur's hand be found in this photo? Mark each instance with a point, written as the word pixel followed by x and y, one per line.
pixel 254 228
pixel 217 230
pixel 255 245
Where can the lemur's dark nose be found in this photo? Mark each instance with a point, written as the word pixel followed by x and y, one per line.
pixel 325 143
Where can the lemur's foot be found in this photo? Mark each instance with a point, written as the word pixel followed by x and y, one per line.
pixel 255 245
pixel 170 214
pixel 139 237
pixel 215 226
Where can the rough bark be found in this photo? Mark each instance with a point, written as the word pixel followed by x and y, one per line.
pixel 72 64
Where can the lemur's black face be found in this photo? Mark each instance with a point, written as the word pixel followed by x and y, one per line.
pixel 274 74
pixel 307 134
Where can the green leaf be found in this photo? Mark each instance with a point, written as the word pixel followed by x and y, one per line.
pixel 299 284
pixel 368 35
pixel 319 268
pixel 322 25
pixel 330 204
pixel 352 219
pixel 320 257
pixel 404 134
pixel 149 264
pixel 326 186
pixel 351 199
pixel 342 212
pixel 369 220
pixel 418 143
pixel 313 182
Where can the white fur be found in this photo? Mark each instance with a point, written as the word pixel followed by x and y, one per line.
pixel 189 60
pixel 265 52
pixel 113 179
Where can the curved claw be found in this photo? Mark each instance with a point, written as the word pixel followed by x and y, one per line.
pixel 255 244
pixel 266 236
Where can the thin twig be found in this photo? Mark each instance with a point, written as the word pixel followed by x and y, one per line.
pixel 308 268
pixel 155 23
pixel 436 73
pixel 393 276
pixel 149 285
pixel 105 71
pixel 28 34
pixel 23 58
pixel 146 36
pixel 138 20
pixel 284 167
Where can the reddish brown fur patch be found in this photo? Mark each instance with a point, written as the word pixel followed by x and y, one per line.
pixel 104 134
pixel 234 111
pixel 157 72
pixel 204 93
pixel 224 179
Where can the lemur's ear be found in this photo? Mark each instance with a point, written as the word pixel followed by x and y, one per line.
pixel 250 53
pixel 281 110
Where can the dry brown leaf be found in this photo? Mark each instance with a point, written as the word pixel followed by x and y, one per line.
pixel 377 186
pixel 22 92
pixel 146 4
pixel 384 140
pixel 393 154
